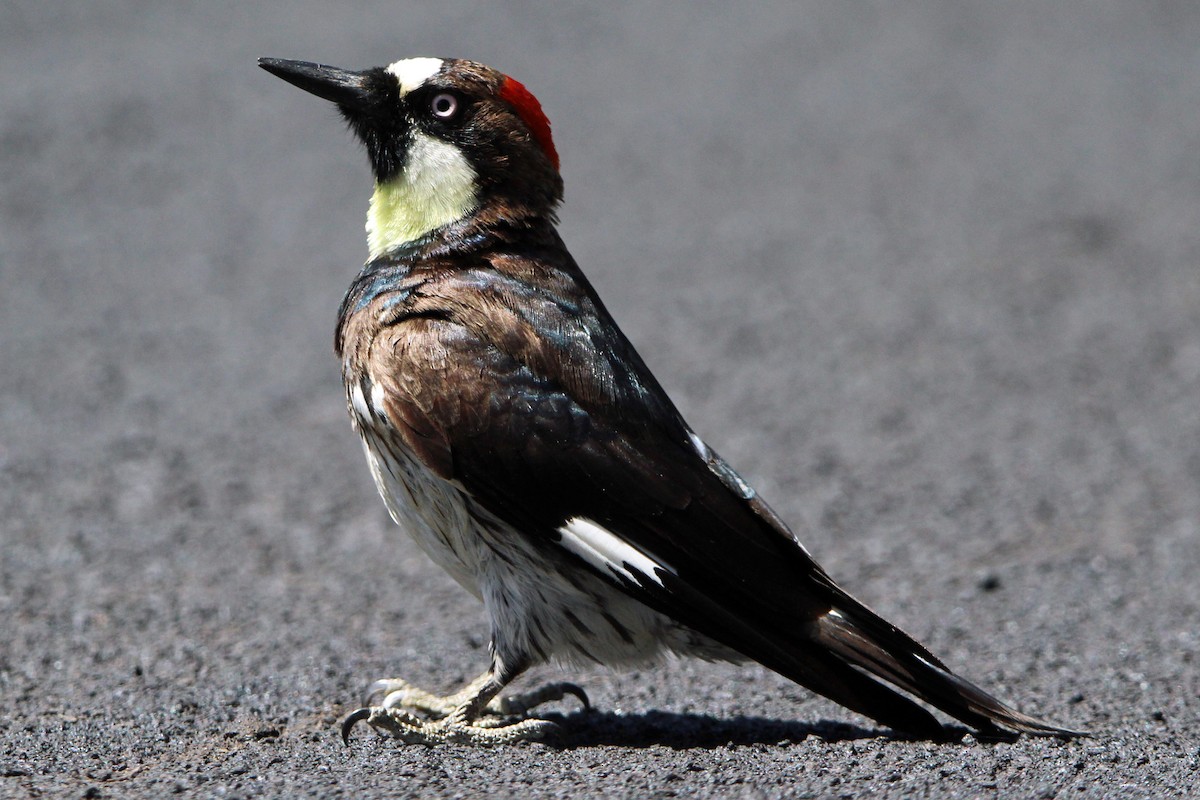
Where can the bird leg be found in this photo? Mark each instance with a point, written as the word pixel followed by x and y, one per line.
pixel 475 715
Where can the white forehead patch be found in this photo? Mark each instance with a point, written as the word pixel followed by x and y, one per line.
pixel 413 72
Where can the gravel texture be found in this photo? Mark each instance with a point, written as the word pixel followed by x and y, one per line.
pixel 927 273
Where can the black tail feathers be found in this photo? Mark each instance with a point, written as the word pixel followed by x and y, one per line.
pixel 859 641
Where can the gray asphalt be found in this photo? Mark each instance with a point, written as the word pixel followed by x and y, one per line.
pixel 927 273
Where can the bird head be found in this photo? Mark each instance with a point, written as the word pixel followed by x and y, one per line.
pixel 449 141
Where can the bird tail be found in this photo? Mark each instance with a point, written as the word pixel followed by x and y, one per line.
pixel 854 636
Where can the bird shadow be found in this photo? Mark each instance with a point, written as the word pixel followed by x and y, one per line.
pixel 701 731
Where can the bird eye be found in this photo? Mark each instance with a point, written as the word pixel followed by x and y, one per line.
pixel 444 106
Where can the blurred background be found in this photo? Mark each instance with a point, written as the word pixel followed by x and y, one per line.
pixel 928 274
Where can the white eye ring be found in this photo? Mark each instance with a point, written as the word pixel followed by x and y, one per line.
pixel 444 105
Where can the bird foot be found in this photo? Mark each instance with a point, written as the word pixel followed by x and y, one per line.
pixel 452 729
pixel 458 718
pixel 399 693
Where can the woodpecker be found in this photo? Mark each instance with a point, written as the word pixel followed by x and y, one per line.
pixel 515 433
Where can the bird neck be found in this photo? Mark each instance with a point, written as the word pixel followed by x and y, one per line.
pixel 402 213
pixel 399 229
pixel 436 187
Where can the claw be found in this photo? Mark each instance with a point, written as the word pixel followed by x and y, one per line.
pixel 519 704
pixel 352 720
pixel 578 692
pixel 381 688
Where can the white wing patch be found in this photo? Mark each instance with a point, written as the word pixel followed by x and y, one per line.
pixel 413 72
pixel 377 399
pixel 605 551
pixel 358 402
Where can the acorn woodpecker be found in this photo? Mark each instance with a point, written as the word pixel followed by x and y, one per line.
pixel 516 435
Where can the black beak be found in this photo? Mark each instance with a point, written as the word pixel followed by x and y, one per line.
pixel 347 89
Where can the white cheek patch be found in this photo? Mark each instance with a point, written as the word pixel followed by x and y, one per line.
pixel 605 551
pixel 413 72
pixel 437 187
pixel 437 169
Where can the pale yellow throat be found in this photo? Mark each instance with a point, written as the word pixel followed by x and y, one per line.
pixel 436 187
